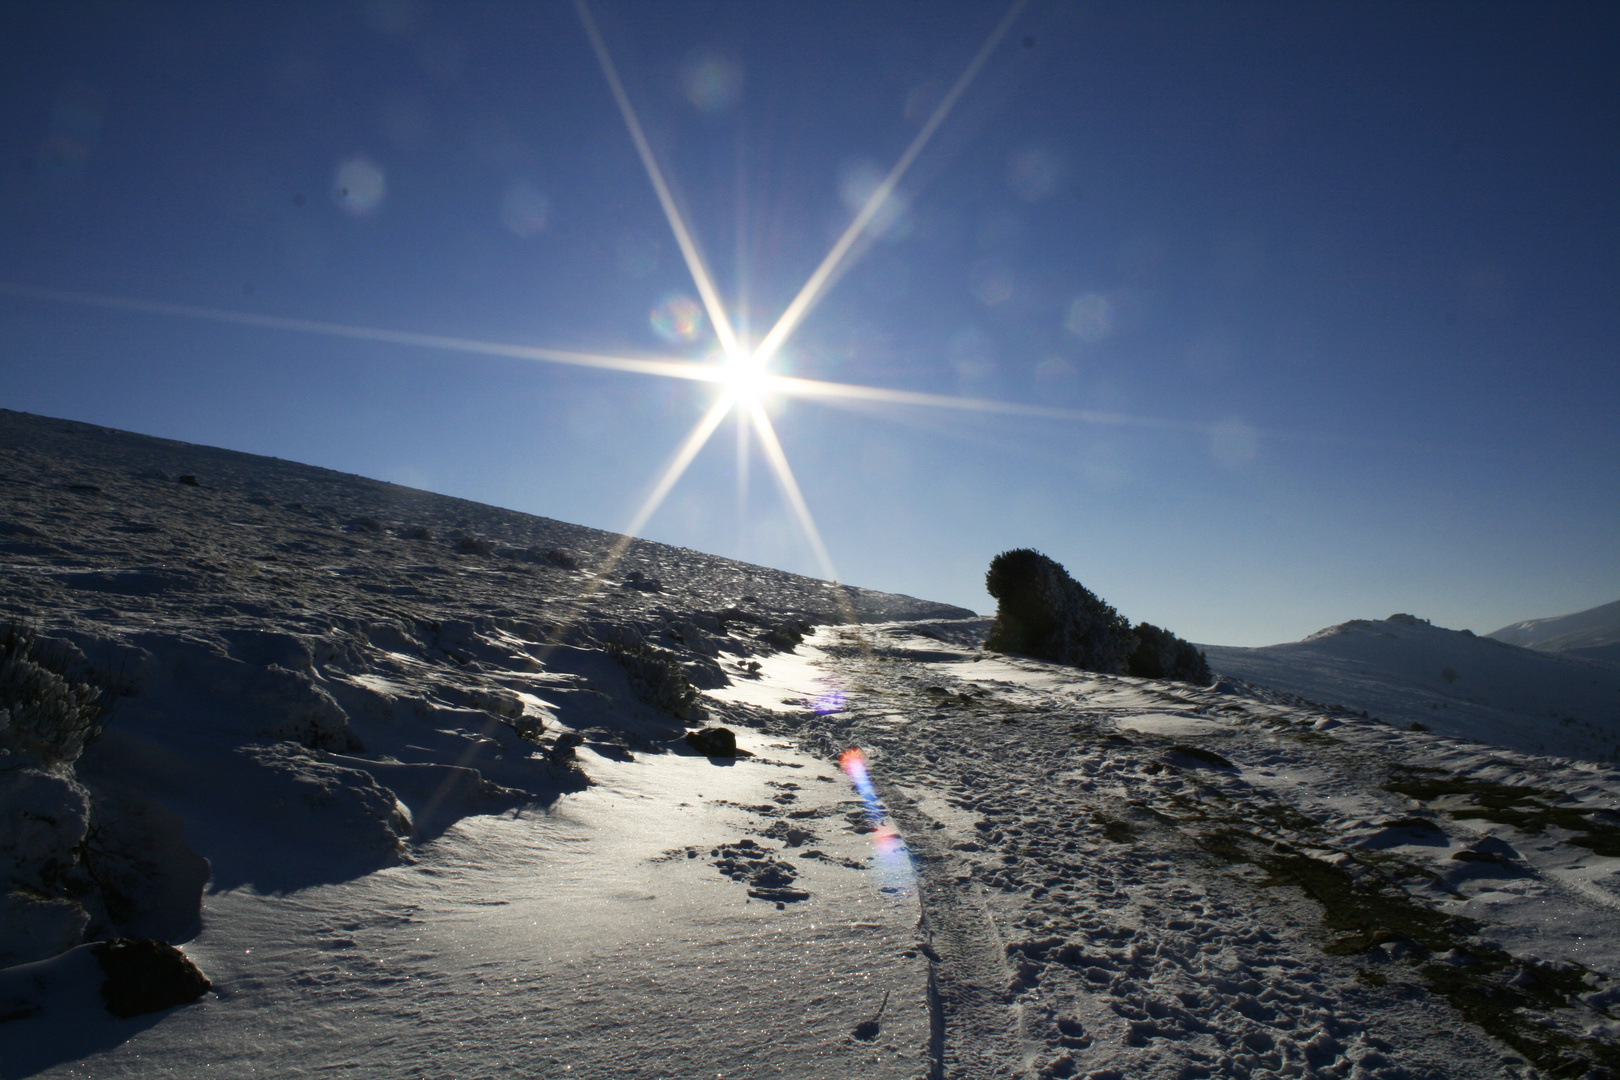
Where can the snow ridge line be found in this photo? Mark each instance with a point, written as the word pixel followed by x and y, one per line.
pixel 973 1032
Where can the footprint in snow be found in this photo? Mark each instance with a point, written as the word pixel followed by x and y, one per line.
pixel 751 863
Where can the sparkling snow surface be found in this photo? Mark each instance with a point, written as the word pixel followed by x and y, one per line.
pixel 347 692
pixel 583 941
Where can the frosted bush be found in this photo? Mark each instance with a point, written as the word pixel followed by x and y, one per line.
pixel 657 678
pixel 1043 612
pixel 46 714
pixel 1160 654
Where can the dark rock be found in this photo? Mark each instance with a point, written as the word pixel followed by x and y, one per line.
pixel 1414 824
pixel 714 741
pixel 767 878
pixel 190 481
pixel 559 557
pixel 549 557
pixel 562 750
pixel 145 976
pixel 657 677
pixel 1474 855
pixel 791 835
pixel 16 1009
pixel 1199 754
pixel 867 1030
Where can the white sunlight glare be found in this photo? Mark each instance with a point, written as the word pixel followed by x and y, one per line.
pixel 677 225
pixel 741 373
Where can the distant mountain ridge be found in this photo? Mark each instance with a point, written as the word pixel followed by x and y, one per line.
pixel 1593 633
pixel 1405 670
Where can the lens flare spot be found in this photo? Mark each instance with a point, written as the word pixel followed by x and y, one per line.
pixel 857 182
pixel 973 354
pixel 636 254
pixel 525 210
pixel 1032 174
pixel 711 82
pixel 887 841
pixel 992 282
pixel 359 186
pixel 677 319
pixel 1054 369
pixel 1090 317
pixel 893 861
pixel 829 703
pixel 75 130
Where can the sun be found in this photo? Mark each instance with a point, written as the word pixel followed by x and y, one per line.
pixel 744 378
pixel 740 368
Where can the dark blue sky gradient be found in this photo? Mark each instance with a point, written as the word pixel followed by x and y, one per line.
pixel 1374 247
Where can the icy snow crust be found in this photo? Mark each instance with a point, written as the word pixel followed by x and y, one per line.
pixel 346 694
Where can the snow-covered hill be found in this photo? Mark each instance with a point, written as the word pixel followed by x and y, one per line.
pixel 432 755
pixel 1405 671
pixel 1593 633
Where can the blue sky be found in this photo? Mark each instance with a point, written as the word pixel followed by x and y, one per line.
pixel 1349 275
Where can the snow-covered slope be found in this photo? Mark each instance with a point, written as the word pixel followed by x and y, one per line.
pixel 328 680
pixel 1595 631
pixel 1404 671
pixel 356 702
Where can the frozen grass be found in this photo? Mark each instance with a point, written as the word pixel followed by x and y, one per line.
pixel 656 676
pixel 1528 808
pixel 49 709
pixel 1484 984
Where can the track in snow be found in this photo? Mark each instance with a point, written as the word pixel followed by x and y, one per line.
pixel 1077 926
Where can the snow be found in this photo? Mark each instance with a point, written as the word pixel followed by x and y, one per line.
pixel 1165 724
pixel 1405 671
pixel 1103 877
pixel 537 942
pixel 1593 631
pixel 792 683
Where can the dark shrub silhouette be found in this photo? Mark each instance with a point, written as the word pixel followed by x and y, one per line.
pixel 1159 654
pixel 1043 612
